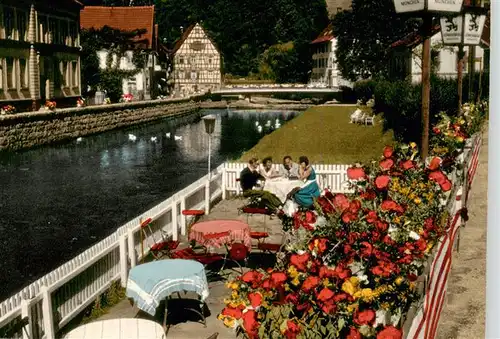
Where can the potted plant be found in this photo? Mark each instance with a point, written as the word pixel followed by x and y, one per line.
pixel 8 109
pixel 50 105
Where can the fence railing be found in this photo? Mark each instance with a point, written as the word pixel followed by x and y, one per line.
pixel 48 304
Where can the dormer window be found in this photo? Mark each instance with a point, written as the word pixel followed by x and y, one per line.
pixel 8 19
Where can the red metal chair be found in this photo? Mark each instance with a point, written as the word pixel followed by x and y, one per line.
pixel 255 210
pixel 161 247
pixel 195 214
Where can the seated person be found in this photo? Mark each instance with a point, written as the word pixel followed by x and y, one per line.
pixel 306 195
pixel 266 169
pixel 250 175
pixel 289 169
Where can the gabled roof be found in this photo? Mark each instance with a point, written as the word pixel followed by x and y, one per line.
pixel 185 35
pixel 121 18
pixel 325 35
pixel 414 39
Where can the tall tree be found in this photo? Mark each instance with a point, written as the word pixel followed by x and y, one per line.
pixel 364 35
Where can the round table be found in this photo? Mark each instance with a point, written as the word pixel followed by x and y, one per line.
pixel 123 328
pixel 238 231
pixel 281 187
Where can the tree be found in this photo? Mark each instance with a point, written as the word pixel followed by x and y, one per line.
pixel 364 35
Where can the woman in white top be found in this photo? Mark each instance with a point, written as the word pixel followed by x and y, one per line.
pixel 266 169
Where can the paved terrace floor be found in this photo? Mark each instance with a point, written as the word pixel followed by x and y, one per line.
pixel 226 209
pixel 464 310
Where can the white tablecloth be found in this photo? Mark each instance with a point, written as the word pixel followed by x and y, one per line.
pixel 124 328
pixel 281 186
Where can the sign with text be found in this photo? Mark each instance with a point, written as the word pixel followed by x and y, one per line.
pixel 451 30
pixel 473 28
pixel 403 6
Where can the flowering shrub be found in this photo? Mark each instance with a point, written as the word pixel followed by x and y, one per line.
pixel 8 109
pixel 355 272
pixel 50 105
pixel 127 97
pixel 80 102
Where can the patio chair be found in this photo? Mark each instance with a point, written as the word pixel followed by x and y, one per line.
pixel 161 247
pixel 356 115
pixel 195 216
pixel 370 120
pixel 248 211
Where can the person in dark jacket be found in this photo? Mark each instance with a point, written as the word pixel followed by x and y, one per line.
pixel 250 175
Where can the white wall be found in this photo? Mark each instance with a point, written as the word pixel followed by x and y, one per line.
pixel 447 59
pixel 319 75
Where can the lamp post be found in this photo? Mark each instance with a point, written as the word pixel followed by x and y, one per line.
pixel 209 121
pixel 426 8
pixel 464 29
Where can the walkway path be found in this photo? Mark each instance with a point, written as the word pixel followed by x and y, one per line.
pixel 464 309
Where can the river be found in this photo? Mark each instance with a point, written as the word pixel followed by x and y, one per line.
pixel 58 200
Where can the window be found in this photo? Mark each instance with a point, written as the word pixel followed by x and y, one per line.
pixel 42 28
pixel 74 74
pixel 63 33
pixel 65 73
pixel 23 73
pixel 22 25
pixel 181 60
pixel 11 76
pixel 181 75
pixel 8 20
pixel 53 31
pixel 209 61
pixel 194 76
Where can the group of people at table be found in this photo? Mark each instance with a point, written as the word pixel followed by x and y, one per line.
pixel 293 180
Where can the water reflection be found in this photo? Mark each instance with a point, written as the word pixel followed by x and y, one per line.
pixel 56 201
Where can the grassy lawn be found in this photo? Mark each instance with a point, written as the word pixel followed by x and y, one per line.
pixel 325 136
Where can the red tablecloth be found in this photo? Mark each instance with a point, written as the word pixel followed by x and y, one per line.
pixel 238 232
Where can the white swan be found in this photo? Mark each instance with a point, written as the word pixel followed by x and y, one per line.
pixel 79 139
pixel 256 123
pixel 132 137
pixel 176 137
pixel 167 135
pixel 268 123
pixel 259 128
pixel 277 125
pixel 153 139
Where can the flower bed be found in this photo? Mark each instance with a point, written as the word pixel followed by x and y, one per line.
pixel 358 262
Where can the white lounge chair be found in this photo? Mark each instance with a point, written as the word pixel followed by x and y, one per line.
pixel 370 120
pixel 356 115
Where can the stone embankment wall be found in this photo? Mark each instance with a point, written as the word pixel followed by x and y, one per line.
pixel 26 130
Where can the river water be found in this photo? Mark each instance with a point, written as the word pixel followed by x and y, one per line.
pixel 56 201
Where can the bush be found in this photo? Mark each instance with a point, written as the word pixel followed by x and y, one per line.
pixel 112 82
pixel 364 89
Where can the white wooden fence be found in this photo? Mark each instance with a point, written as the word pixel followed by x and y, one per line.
pixel 48 304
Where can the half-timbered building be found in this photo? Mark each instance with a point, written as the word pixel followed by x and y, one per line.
pixel 196 63
pixel 39 53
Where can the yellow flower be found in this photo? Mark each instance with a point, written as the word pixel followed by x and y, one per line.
pixel 460 139
pixel 292 271
pixel 412 196
pixel 350 286
pixel 397 220
pixel 234 294
pixel 417 201
pixel 399 280
pixel 326 282
pixel 429 247
pixel 352 307
pixel 296 281
pixel 385 305
pixel 366 294
pixel 413 145
pixel 381 289
pixel 229 322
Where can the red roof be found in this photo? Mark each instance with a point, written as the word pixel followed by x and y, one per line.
pixel 413 39
pixel 122 18
pixel 326 35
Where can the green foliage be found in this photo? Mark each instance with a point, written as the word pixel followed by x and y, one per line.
pixel 244 30
pixel 401 102
pixel 116 42
pixel 364 89
pixel 111 297
pixel 364 35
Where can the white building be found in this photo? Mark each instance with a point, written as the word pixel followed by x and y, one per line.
pixel 407 59
pixel 129 19
pixel 324 71
pixel 196 63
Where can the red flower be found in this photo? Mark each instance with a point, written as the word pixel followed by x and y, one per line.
pixel 368 195
pixel 325 272
pixel 354 334
pixel 436 130
pixel 342 272
pixel 391 206
pixel 310 217
pixel 371 217
pixel 292 329
pixel 386 164
pixel 292 298
pixel 366 317
pixel 435 163
pixel 356 173
pixel 278 278
pixel 388 151
pixel 252 278
pixel 445 186
pixel 326 205
pixel 348 217
pixel 382 181
pixel 382 226
pixel 366 249
pixel 408 164
pixel 340 202
pixel 328 307
pixel 325 294
pixel 255 299
pixel 390 332
pixel 354 206
pixel 319 244
pixel 300 261
pixel 250 323
pixel 236 313
pixel 310 283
